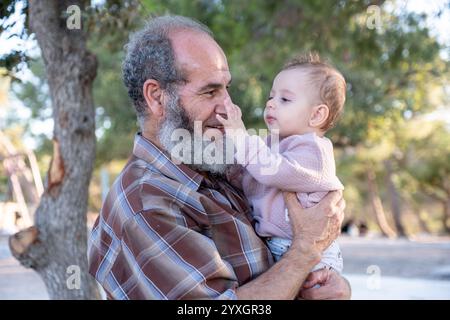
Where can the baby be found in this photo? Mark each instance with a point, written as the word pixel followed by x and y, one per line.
pixel 306 99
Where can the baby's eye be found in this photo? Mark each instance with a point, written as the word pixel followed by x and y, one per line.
pixel 285 100
pixel 269 98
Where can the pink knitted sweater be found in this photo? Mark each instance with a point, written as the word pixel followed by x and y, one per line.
pixel 303 164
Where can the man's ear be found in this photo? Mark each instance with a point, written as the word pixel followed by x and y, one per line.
pixel 319 115
pixel 153 95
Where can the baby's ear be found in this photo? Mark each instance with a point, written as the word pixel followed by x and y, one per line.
pixel 319 115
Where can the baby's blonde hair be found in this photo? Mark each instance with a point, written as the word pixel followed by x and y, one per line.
pixel 329 80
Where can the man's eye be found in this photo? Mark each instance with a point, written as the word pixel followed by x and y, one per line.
pixel 210 93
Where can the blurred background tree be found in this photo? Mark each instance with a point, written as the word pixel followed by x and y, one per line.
pixel 393 160
pixel 394 71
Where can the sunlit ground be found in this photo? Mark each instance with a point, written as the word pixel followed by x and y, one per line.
pixel 397 269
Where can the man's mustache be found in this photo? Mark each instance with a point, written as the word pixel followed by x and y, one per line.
pixel 213 122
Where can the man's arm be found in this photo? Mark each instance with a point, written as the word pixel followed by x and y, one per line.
pixel 161 259
pixel 314 229
pixel 284 279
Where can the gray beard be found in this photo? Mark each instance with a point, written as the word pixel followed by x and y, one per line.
pixel 177 118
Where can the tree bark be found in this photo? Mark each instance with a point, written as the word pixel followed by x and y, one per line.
pixel 56 246
pixel 377 205
pixel 394 196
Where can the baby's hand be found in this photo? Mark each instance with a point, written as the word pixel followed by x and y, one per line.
pixel 233 125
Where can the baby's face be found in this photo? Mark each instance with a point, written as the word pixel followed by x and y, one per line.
pixel 290 103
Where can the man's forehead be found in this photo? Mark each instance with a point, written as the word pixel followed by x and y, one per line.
pixel 195 52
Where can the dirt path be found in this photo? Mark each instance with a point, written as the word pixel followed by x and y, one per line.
pixel 427 258
pixel 17 282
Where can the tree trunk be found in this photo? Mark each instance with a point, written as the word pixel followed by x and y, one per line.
pixel 395 199
pixel 377 205
pixel 422 221
pixel 56 246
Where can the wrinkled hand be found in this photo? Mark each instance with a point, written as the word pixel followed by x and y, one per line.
pixel 315 228
pixel 233 125
pixel 332 286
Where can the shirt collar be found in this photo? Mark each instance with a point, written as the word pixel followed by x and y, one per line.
pixel 144 149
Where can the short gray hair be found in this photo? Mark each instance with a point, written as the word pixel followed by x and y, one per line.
pixel 150 56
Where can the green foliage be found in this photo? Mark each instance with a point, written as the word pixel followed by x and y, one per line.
pixel 14 60
pixel 395 74
pixel 430 163
pixel 388 71
pixel 116 118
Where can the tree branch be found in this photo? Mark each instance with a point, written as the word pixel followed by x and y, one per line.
pixel 26 247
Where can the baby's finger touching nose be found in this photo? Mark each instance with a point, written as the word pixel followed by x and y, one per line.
pixel 227 102
pixel 238 111
pixel 228 107
pixel 220 118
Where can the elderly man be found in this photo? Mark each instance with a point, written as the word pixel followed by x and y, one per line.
pixel 176 229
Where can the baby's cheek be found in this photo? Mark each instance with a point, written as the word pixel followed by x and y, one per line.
pixel 285 122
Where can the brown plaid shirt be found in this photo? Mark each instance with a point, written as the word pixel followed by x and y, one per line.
pixel 167 232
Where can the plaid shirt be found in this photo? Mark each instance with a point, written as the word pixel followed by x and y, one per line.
pixel 167 232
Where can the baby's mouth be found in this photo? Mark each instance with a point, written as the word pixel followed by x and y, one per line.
pixel 270 119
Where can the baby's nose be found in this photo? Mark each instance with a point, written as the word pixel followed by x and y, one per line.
pixel 270 104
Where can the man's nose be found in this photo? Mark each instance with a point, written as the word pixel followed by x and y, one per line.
pixel 220 106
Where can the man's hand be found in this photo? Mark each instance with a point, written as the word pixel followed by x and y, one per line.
pixel 332 286
pixel 315 228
